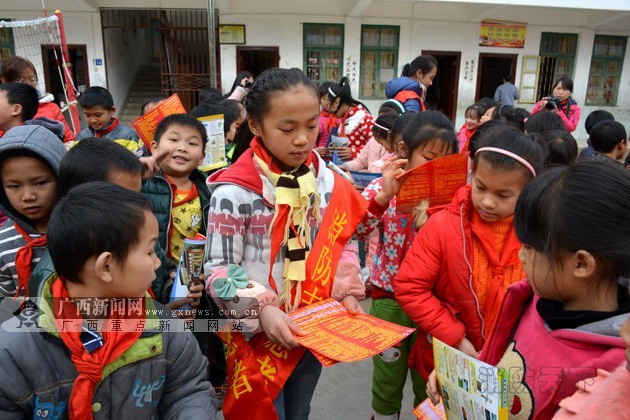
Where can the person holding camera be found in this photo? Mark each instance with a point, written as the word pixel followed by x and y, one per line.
pixel 242 85
pixel 561 103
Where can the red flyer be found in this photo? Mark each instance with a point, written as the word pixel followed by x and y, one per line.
pixel 335 334
pixel 146 124
pixel 437 180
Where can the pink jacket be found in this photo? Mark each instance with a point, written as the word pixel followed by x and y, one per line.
pixel 370 157
pixel 544 365
pixel 571 121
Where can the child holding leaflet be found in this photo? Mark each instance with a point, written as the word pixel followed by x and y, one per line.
pixel 429 135
pixel 562 324
pixel 453 280
pixel 278 254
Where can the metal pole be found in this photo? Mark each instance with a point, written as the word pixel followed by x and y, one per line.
pixel 212 44
pixel 67 72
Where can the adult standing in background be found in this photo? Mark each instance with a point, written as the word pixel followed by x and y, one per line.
pixel 411 87
pixel 506 93
pixel 561 103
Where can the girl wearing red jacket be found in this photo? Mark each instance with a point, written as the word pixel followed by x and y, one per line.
pixel 563 323
pixel 453 280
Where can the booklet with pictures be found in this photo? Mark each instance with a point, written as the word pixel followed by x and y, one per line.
pixel 189 269
pixel 470 389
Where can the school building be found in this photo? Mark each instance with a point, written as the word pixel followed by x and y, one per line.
pixel 139 47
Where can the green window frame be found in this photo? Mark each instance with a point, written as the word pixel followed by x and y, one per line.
pixel 606 67
pixel 323 51
pixel 7 44
pixel 379 59
pixel 557 58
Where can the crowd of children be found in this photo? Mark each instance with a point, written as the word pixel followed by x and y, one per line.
pixel 527 268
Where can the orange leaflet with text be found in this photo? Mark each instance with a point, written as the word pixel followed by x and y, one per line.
pixel 146 124
pixel 427 411
pixel 437 180
pixel 335 334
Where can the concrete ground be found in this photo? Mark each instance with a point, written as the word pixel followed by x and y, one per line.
pixel 344 391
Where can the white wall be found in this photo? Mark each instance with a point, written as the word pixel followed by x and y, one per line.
pixel 82 28
pixel 123 60
pixel 417 35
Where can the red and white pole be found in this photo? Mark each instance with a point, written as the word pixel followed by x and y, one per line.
pixel 67 72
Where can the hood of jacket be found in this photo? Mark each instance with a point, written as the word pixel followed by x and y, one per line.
pixel 34 140
pixel 56 127
pixel 402 83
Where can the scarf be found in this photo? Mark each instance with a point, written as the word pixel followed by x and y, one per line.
pixel 24 259
pixel 499 264
pixel 89 365
pixel 107 129
pixel 296 197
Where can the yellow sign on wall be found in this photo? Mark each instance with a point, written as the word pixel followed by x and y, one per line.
pixel 232 34
pixel 502 34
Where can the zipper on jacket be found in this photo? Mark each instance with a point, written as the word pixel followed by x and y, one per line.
pixel 470 279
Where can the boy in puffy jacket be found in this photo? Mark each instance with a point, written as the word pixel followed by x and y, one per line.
pixel 113 363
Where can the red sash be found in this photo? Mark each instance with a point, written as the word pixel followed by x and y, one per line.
pixel 404 95
pixel 258 369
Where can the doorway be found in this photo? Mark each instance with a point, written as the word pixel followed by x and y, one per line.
pixel 79 66
pixel 442 95
pixel 492 69
pixel 256 59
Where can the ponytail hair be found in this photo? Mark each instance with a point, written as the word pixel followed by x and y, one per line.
pixel 424 63
pixel 343 91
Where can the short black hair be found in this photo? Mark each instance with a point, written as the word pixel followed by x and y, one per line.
pixel 486 103
pixel 210 94
pixel 185 120
pixel 544 121
pixel 206 109
pixel 81 226
pixel 559 147
pixel 94 159
pixel 22 94
pixel 605 135
pixel 595 117
pixel 96 96
pixel 152 100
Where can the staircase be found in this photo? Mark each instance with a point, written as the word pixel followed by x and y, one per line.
pixel 147 84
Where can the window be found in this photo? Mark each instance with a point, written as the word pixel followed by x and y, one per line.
pixel 529 79
pixel 323 52
pixel 379 55
pixel 606 64
pixel 557 57
pixel 7 44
